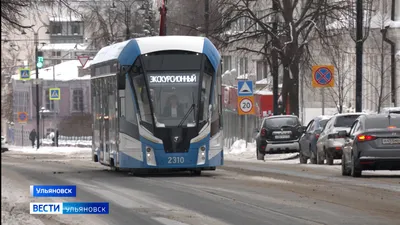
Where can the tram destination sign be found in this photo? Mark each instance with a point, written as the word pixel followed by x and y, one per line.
pixel 174 79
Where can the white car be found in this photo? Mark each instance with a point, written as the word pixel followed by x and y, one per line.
pixel 4 147
pixel 329 143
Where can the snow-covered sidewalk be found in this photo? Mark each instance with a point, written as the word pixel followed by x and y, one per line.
pixel 50 150
pixel 15 204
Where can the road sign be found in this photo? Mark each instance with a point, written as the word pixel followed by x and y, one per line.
pixel 83 59
pixel 54 94
pixel 323 76
pixel 24 74
pixel 22 117
pixel 245 88
pixel 246 105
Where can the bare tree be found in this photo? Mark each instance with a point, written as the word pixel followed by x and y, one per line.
pixel 333 46
pixel 149 16
pixel 187 17
pixel 108 22
pixel 379 77
pixel 9 65
pixel 297 21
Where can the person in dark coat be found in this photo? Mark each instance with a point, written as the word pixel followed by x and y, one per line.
pixel 32 137
pixel 173 108
pixel 57 134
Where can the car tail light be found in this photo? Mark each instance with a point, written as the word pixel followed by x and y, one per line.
pixel 391 127
pixel 263 132
pixel 363 137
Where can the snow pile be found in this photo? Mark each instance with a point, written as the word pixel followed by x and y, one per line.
pixel 239 148
pixel 68 143
pixel 51 150
pixel 239 152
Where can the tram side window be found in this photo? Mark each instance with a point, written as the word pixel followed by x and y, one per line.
pixel 129 108
pixel 142 98
pixel 205 96
pixel 215 111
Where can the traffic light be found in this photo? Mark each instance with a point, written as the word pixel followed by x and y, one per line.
pixel 39 60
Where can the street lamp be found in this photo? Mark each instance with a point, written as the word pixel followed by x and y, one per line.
pixel 36 42
pixel 360 18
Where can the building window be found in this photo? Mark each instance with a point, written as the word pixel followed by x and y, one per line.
pixel 56 28
pixel 56 53
pixel 75 28
pixel 49 103
pixel 77 100
pixel 261 73
pixel 243 66
pixel 21 102
pixel 226 63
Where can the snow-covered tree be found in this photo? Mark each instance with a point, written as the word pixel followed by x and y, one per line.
pixel 149 16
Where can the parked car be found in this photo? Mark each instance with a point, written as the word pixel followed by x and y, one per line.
pixel 308 141
pixel 373 143
pixel 278 134
pixel 329 144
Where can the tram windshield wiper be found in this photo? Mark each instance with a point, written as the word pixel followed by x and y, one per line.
pixel 187 114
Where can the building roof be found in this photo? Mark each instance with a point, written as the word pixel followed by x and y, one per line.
pixel 127 51
pixel 65 71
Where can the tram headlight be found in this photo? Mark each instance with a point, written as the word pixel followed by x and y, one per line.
pixel 150 157
pixel 201 156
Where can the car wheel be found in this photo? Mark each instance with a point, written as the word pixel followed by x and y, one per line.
pixel 320 160
pixel 329 158
pixel 313 158
pixel 260 156
pixel 303 159
pixel 355 171
pixel 345 170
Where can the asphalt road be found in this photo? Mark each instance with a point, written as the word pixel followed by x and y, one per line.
pixel 240 193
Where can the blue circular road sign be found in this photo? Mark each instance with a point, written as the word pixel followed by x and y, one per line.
pixel 22 117
pixel 323 76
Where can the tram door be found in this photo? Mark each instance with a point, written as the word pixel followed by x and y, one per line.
pixel 99 118
pixel 106 122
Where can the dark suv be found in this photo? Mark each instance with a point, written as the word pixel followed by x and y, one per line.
pixel 278 134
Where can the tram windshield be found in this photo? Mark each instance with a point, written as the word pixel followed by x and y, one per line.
pixel 174 96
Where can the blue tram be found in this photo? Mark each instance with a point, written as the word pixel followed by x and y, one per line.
pixel 156 103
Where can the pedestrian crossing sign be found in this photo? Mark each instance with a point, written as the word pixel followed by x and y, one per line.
pixel 24 74
pixel 245 88
pixel 54 94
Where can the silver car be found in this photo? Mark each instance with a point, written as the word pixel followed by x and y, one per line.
pixel 373 143
pixel 329 144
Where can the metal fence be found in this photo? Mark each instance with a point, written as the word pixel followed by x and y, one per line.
pixel 20 137
pixel 236 128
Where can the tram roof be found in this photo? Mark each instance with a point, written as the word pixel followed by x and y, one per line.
pixel 127 51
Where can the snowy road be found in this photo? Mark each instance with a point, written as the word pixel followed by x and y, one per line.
pixel 244 192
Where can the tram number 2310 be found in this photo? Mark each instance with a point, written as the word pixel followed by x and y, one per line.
pixel 176 160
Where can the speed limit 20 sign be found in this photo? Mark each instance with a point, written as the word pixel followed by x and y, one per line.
pixel 246 105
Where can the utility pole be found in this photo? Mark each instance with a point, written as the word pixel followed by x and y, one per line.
pixel 274 59
pixel 206 17
pixel 359 54
pixel 36 40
